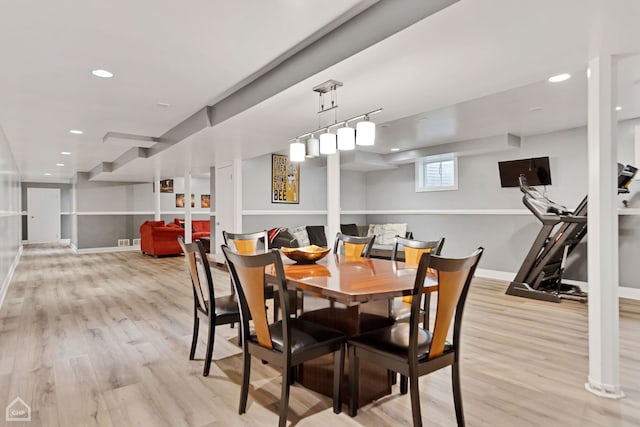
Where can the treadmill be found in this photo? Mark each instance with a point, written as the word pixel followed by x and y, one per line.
pixel 541 273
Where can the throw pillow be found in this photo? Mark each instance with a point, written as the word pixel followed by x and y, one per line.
pixel 301 235
pixel 316 235
pixel 349 229
pixel 378 230
pixel 391 231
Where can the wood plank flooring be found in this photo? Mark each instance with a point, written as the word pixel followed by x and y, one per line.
pixel 103 340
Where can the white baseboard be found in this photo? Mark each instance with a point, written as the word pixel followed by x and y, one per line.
pixel 623 291
pixel 7 279
pixel 105 250
pixel 629 293
pixel 495 274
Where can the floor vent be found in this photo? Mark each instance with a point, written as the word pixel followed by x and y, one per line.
pixel 123 242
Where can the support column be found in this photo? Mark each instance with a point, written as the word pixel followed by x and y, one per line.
pixel 156 198
pixel 602 248
pixel 333 197
pixel 187 207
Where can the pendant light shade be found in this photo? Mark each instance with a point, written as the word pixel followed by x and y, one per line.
pixel 296 151
pixel 313 147
pixel 346 138
pixel 327 143
pixel 365 132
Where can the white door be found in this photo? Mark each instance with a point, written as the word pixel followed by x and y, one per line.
pixel 43 210
pixel 224 200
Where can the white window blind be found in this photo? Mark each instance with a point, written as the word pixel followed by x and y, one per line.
pixel 437 173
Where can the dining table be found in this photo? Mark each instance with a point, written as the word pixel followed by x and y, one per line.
pixel 362 288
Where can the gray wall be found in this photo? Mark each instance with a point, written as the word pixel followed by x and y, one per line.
pixel 10 218
pixel 256 190
pixel 131 205
pixel 506 238
pixel 66 207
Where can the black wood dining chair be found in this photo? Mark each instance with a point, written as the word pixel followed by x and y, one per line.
pixel 216 311
pixel 354 246
pixel 285 343
pixel 253 243
pixel 413 351
pixel 412 250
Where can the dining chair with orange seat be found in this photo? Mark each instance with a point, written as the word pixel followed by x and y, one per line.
pixel 247 243
pixel 400 308
pixel 285 343
pixel 413 351
pixel 217 311
pixel 354 246
pixel 251 244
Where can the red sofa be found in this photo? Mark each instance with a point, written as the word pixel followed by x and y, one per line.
pixel 158 239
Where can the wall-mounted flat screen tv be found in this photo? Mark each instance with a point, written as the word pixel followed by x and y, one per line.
pixel 535 169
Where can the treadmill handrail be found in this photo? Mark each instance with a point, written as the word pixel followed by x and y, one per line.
pixel 572 218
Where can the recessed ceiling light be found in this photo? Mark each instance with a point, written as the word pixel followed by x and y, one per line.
pixel 47 174
pixel 618 108
pixel 532 109
pixel 105 74
pixel 76 132
pixel 162 104
pixel 59 164
pixel 588 73
pixel 65 153
pixel 559 78
pixel 395 149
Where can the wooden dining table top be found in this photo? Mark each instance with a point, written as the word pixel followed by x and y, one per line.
pixel 349 280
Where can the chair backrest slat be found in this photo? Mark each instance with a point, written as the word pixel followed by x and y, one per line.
pixel 252 281
pixel 354 246
pixel 413 249
pixel 246 243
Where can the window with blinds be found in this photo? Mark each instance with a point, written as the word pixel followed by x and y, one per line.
pixel 437 173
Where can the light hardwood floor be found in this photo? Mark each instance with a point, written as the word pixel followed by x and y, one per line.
pixel 103 339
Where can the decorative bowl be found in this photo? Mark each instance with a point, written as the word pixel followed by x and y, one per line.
pixel 306 254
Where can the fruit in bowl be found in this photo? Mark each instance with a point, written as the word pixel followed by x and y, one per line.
pixel 306 254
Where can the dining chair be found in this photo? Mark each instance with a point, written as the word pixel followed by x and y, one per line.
pixel 250 244
pixel 246 243
pixel 400 308
pixel 217 311
pixel 413 351
pixel 354 246
pixel 285 343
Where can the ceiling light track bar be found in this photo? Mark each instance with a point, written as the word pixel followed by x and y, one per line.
pixel 340 123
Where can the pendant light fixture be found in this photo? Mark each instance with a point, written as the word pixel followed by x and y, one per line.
pixel 297 151
pixel 327 143
pixel 346 137
pixel 313 147
pixel 365 132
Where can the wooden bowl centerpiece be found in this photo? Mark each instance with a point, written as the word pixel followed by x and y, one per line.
pixel 306 254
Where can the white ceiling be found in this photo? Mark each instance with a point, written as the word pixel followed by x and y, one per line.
pixel 474 69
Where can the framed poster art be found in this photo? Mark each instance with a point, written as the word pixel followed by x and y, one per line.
pixel 285 180
pixel 180 200
pixel 205 200
pixel 166 186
